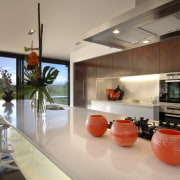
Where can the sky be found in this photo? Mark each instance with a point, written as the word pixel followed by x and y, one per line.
pixel 10 65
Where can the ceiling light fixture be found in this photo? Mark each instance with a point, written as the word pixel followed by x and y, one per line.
pixel 146 41
pixel 78 43
pixel 31 31
pixel 116 31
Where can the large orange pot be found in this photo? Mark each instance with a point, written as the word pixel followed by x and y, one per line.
pixel 165 144
pixel 96 125
pixel 124 132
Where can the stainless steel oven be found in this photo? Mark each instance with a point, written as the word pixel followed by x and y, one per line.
pixel 169 88
pixel 170 113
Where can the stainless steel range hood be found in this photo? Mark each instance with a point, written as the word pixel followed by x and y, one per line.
pixel 152 20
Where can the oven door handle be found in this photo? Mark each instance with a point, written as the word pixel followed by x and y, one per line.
pixel 175 80
pixel 172 115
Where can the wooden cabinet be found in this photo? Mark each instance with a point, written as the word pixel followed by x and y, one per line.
pixel 104 66
pixel 85 74
pixel 146 59
pixel 91 74
pixel 79 84
pixel 170 56
pixel 122 63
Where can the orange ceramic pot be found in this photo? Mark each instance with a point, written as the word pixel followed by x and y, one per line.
pixel 114 96
pixel 96 125
pixel 108 92
pixel 124 132
pixel 165 144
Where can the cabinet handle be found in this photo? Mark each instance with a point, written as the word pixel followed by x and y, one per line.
pixel 83 90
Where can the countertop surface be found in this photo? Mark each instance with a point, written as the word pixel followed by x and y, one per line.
pixel 131 102
pixel 63 138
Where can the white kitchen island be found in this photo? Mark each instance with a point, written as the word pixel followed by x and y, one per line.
pixel 62 137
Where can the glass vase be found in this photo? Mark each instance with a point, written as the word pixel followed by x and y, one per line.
pixel 39 105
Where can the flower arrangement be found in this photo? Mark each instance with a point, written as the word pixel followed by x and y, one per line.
pixel 35 81
pixel 7 85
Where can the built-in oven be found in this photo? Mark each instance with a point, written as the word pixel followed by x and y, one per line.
pixel 170 113
pixel 169 88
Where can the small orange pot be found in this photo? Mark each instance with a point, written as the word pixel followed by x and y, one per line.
pixel 96 125
pixel 124 132
pixel 108 92
pixel 165 144
pixel 114 96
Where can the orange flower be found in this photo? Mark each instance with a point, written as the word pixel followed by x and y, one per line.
pixel 33 59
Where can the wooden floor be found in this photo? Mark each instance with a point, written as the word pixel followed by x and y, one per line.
pixel 8 174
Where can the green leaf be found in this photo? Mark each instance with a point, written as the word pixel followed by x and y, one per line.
pixel 32 94
pixel 25 89
pixel 49 74
pixel 44 89
pixel 46 68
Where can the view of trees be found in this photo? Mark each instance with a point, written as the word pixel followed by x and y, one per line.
pixel 1 88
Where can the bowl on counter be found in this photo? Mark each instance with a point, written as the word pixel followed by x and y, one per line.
pixel 114 96
pixel 124 132
pixel 108 92
pixel 96 125
pixel 165 145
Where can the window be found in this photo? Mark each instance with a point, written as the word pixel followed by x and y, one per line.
pixel 8 64
pixel 60 87
pixel 59 90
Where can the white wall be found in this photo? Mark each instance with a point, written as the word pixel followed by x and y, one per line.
pixel 143 87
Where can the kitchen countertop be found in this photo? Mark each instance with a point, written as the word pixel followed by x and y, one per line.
pixel 63 138
pixel 131 102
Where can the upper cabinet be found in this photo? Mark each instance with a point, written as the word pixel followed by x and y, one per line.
pixel 122 63
pixel 170 56
pixel 104 66
pixel 146 59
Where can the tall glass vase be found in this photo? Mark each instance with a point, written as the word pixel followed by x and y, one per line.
pixel 39 105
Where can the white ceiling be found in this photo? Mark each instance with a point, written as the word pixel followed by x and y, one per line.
pixel 65 22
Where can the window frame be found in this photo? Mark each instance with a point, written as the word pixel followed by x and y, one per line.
pixel 20 58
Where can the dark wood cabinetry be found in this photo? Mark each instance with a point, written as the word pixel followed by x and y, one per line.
pixel 146 59
pixel 170 56
pixel 85 74
pixel 79 84
pixel 122 63
pixel 104 66
pixel 91 75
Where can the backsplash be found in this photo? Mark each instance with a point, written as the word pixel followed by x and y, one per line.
pixel 141 87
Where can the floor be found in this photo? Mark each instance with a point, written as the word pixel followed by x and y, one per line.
pixel 8 174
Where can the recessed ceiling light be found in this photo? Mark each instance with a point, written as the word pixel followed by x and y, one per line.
pixel 146 41
pixel 116 31
pixel 78 43
pixel 31 31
